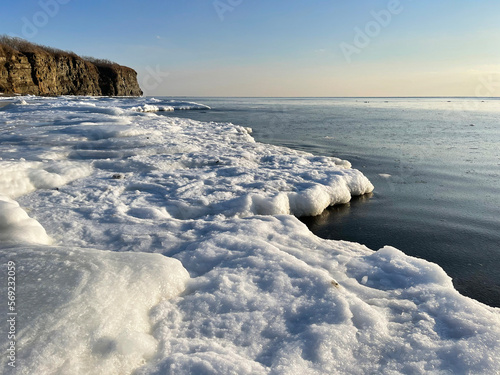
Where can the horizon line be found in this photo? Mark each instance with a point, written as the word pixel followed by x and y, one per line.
pixel 328 97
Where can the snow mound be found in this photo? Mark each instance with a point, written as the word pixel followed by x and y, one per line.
pixel 21 177
pixel 88 310
pixel 17 226
pixel 278 300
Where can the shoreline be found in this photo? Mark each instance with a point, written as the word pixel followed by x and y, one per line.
pixel 402 173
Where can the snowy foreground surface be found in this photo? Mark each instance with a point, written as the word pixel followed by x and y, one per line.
pixel 154 245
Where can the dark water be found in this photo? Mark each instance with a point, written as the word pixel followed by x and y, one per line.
pixel 435 164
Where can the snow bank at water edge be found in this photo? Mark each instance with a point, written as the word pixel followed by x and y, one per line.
pixel 204 169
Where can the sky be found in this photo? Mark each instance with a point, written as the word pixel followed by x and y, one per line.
pixel 278 48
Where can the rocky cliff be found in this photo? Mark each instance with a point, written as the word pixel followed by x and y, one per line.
pixel 30 69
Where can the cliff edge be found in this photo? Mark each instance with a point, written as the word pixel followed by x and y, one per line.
pixel 27 68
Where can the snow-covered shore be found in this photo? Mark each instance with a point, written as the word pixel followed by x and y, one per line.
pixel 162 245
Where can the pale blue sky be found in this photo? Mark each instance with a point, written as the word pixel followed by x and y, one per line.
pixel 279 48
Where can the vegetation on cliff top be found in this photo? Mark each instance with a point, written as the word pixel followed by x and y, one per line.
pixel 14 44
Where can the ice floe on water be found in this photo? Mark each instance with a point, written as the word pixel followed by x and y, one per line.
pixel 158 245
pixel 168 106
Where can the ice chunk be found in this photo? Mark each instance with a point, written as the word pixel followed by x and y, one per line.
pixel 152 108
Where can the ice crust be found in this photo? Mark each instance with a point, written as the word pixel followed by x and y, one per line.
pixel 173 250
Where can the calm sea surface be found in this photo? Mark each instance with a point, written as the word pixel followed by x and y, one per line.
pixel 435 164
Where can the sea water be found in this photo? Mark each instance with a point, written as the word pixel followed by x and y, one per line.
pixel 435 164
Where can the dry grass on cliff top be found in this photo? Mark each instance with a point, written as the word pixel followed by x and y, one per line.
pixel 12 44
pixel 24 46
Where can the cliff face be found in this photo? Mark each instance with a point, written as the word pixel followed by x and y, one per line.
pixel 45 73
